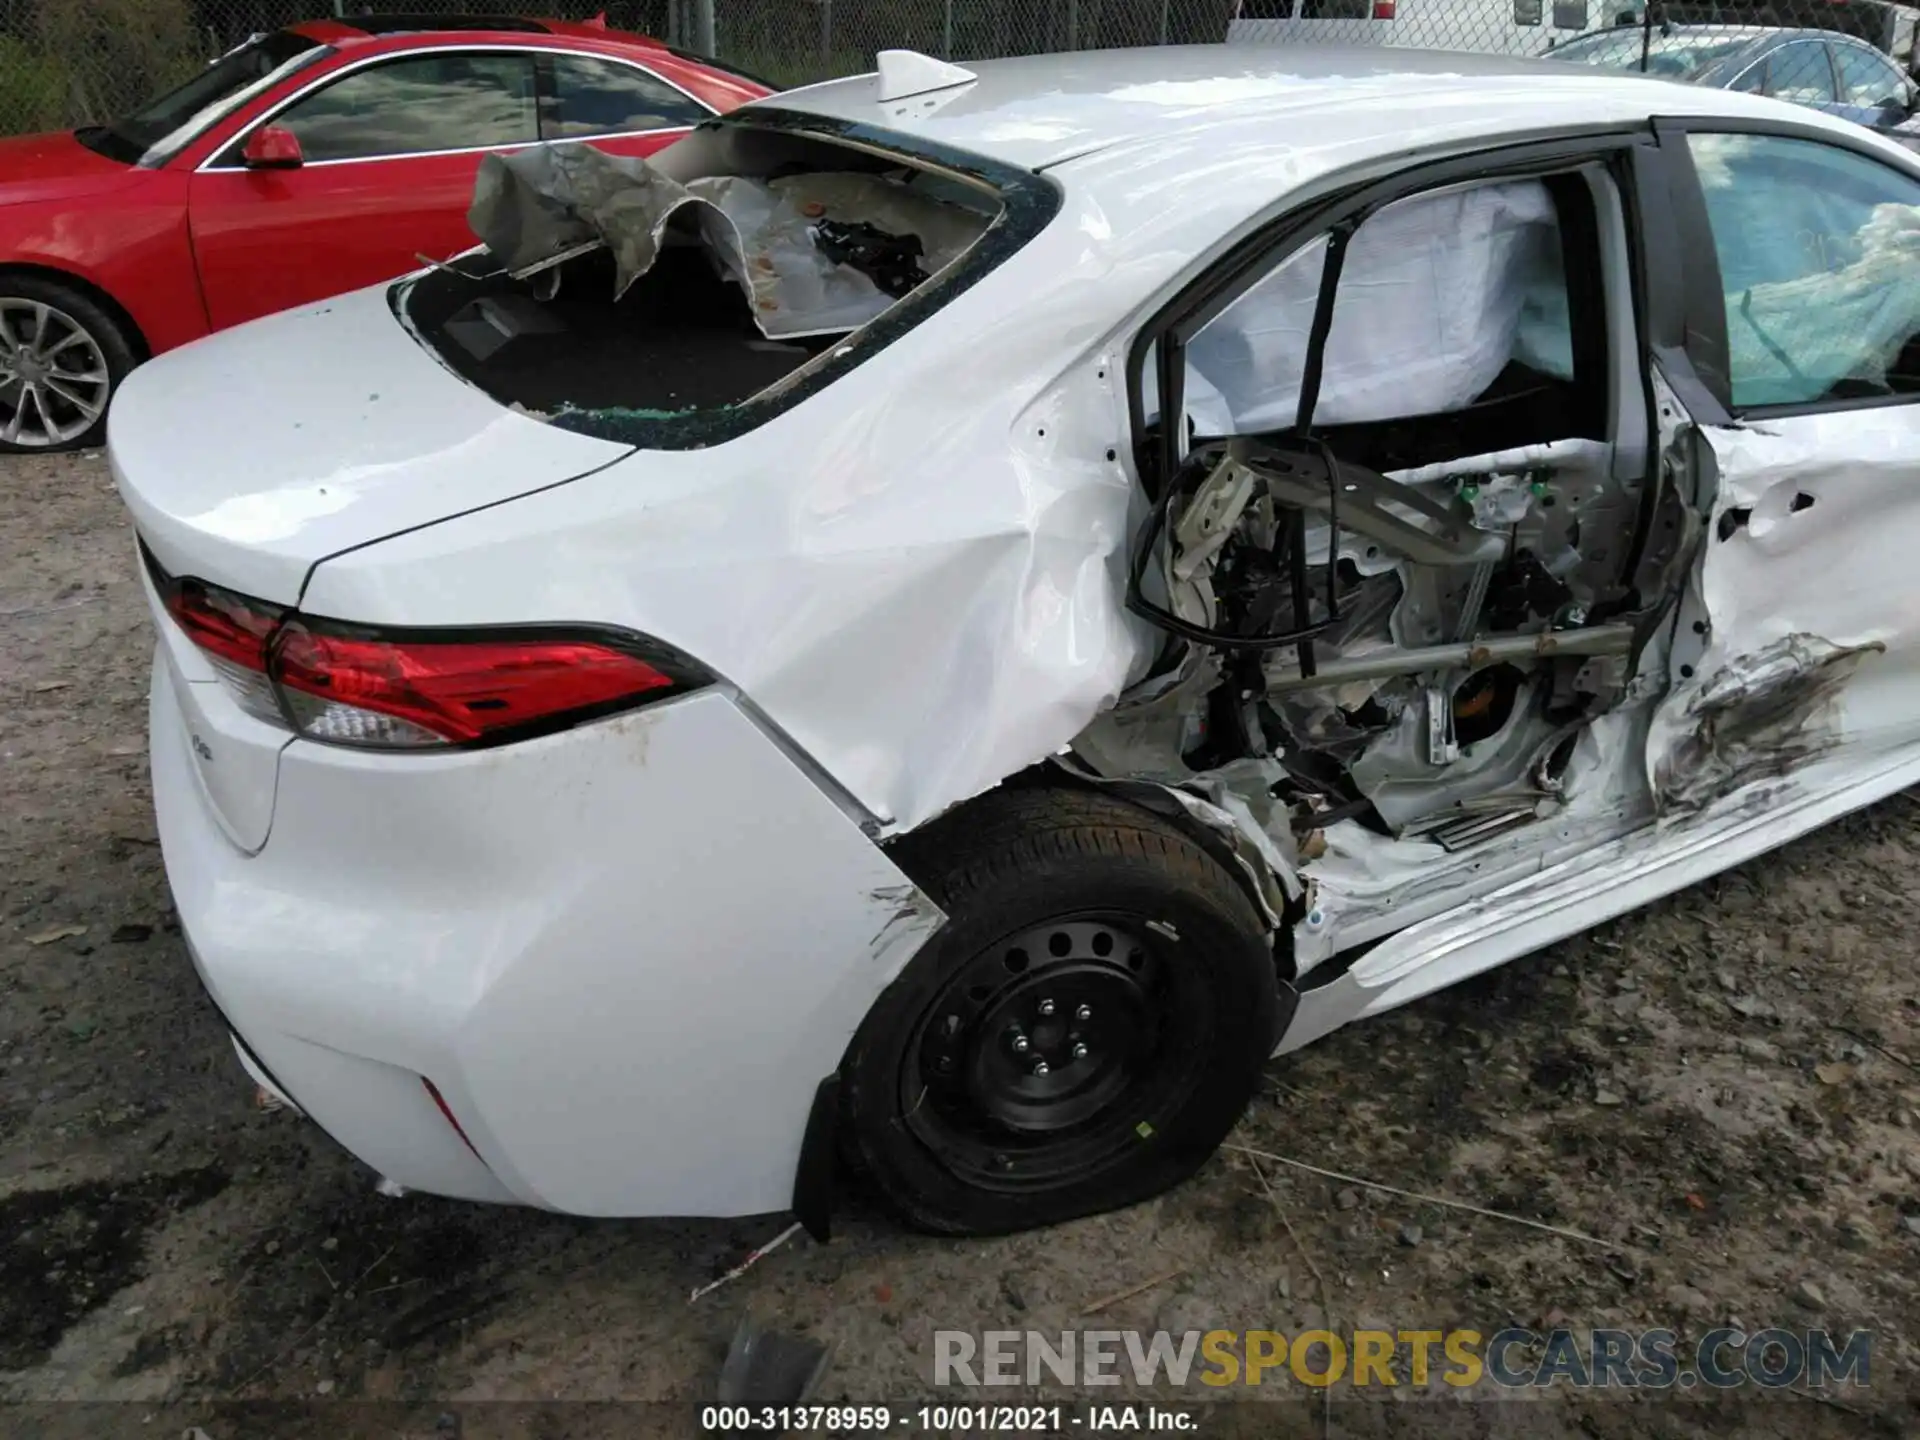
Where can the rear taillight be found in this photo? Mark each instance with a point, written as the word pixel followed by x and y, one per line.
pixel 349 685
pixel 1383 9
pixel 447 1111
pixel 362 690
pixel 233 632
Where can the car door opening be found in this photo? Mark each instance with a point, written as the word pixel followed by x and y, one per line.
pixel 1397 555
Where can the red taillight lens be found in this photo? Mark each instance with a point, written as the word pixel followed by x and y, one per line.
pixel 1383 9
pixel 223 624
pixel 403 692
pixel 233 632
pixel 354 686
pixel 452 1119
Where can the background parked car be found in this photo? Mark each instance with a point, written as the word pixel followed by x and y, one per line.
pixel 1521 27
pixel 308 161
pixel 1819 68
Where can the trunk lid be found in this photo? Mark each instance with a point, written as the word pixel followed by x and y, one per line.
pixel 248 457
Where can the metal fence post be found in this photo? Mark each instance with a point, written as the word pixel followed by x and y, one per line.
pixel 703 26
pixel 1073 24
pixel 1165 5
pixel 826 33
pixel 946 33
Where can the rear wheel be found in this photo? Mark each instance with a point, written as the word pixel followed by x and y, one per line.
pixel 60 357
pixel 1082 1034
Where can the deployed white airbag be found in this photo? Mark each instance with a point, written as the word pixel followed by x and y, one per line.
pixel 1438 293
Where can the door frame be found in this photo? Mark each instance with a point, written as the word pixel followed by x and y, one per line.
pixel 1213 289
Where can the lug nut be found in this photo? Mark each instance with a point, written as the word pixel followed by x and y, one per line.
pixel 1046 1007
pixel 1079 1052
pixel 1040 1067
pixel 1020 1044
pixel 1085 1012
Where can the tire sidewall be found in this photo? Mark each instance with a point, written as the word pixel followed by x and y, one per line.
pixel 1216 937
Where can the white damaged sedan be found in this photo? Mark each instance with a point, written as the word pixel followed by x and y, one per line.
pixel 934 627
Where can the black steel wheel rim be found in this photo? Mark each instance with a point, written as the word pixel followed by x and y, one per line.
pixel 1051 1053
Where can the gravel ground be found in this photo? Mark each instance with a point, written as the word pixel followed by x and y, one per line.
pixel 1720 1089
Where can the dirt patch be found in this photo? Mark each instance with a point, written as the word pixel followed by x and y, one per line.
pixel 1709 1088
pixel 66 1252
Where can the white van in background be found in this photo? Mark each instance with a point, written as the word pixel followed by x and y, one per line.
pixel 1500 27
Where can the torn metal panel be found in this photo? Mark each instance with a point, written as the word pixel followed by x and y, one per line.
pixel 1241 811
pixel 1153 724
pixel 1762 715
pixel 536 204
pixel 1366 885
pixel 801 247
pixel 774 240
pixel 1509 770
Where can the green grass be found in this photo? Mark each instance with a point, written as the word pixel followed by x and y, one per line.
pixel 33 90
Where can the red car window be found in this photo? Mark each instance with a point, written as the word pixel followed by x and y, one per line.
pixel 446 100
pixel 604 97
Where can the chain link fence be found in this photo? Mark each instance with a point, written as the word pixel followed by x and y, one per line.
pixel 78 62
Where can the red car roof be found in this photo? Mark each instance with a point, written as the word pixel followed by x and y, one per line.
pixel 364 27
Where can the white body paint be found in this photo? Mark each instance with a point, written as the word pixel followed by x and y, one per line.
pixel 627 953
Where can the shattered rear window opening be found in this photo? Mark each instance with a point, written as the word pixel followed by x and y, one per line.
pixel 679 302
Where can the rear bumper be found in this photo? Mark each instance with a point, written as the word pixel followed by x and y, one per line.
pixel 625 955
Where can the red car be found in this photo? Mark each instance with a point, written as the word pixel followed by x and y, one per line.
pixel 309 161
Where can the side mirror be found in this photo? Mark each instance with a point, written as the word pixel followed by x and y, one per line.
pixel 272 148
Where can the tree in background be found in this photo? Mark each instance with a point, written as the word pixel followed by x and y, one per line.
pixel 114 54
pixel 33 88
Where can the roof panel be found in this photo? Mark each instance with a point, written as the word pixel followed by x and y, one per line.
pixel 1042 110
